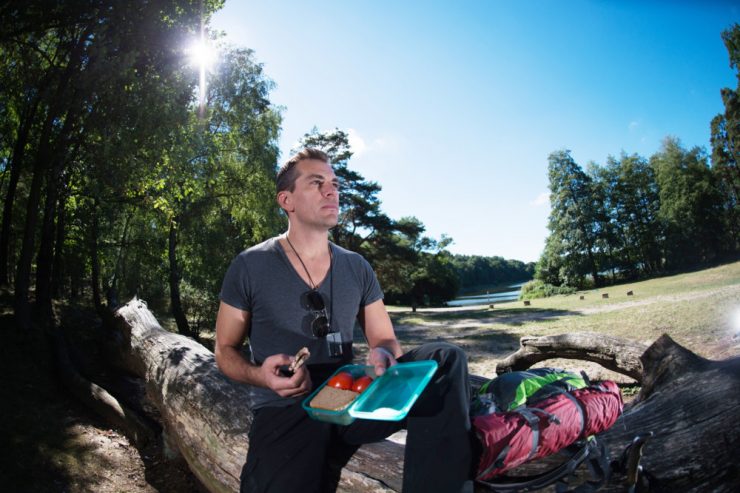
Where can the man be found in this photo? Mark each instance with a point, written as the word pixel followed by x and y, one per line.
pixel 299 290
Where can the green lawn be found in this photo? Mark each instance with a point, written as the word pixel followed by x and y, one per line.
pixel 700 310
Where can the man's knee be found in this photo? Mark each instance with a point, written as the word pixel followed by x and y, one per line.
pixel 443 353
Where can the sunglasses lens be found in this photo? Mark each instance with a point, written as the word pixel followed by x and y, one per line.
pixel 315 300
pixel 320 326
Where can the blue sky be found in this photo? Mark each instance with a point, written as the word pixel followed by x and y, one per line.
pixel 453 107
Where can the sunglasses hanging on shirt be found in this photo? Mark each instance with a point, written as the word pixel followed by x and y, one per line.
pixel 321 325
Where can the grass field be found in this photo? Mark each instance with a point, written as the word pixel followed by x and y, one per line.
pixel 700 310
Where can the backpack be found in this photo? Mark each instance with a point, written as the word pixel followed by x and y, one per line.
pixel 522 416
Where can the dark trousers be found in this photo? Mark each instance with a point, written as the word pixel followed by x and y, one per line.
pixel 290 452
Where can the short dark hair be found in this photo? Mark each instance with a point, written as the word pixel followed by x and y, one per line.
pixel 287 174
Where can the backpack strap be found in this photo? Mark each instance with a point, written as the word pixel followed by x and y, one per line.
pixel 590 449
pixel 530 416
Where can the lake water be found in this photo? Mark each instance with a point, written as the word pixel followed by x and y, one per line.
pixel 496 294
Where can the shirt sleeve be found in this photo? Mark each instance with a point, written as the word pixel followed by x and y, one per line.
pixel 371 290
pixel 235 287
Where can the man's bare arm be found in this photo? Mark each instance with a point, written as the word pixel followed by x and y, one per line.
pixel 232 325
pixel 378 329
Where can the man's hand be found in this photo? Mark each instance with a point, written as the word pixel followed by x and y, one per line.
pixel 381 359
pixel 298 384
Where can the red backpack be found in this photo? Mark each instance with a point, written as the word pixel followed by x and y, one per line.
pixel 522 416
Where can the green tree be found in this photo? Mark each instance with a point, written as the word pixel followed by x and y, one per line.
pixel 632 203
pixel 575 223
pixel 360 215
pixel 222 167
pixel 97 60
pixel 725 140
pixel 690 205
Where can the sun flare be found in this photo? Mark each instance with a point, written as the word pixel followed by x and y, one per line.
pixel 202 56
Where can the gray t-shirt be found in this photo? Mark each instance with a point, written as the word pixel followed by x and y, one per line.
pixel 262 281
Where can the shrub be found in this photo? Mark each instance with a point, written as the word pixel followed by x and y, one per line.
pixel 540 289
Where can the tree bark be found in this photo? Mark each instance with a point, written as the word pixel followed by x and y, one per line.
pixel 57 272
pixel 95 260
pixel 16 164
pixel 691 404
pixel 175 299
pixel 45 257
pixel 22 307
pixel 206 416
pixel 96 397
pixel 614 353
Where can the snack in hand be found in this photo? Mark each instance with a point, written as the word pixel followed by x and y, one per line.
pixel 333 399
pixel 300 358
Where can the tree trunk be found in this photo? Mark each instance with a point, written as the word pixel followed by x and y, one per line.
pixel 206 416
pixel 16 163
pixel 614 353
pixel 95 261
pixel 57 271
pixel 175 300
pixel 45 256
pixel 691 404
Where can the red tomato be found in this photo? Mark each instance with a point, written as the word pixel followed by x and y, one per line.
pixel 361 384
pixel 341 380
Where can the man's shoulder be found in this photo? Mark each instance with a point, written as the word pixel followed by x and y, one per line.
pixel 348 254
pixel 268 245
pixel 352 258
pixel 258 251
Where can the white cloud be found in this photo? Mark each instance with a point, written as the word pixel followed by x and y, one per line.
pixel 542 199
pixel 356 143
pixel 361 145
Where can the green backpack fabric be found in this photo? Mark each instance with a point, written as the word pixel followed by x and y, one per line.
pixel 511 390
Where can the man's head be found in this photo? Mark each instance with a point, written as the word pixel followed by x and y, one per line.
pixel 288 172
pixel 308 190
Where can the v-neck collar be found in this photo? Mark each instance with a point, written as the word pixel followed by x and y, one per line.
pixel 284 255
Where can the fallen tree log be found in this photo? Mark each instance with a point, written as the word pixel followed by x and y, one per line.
pixel 206 416
pixel 691 405
pixel 613 353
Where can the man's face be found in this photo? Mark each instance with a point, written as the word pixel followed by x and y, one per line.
pixel 315 198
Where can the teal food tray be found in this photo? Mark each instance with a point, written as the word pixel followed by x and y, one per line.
pixel 388 398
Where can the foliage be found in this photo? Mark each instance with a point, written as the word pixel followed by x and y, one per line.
pixel 411 267
pixel 690 205
pixel 539 289
pixel 109 167
pixel 576 222
pixel 725 142
pixel 633 217
pixel 474 270
pixel 637 217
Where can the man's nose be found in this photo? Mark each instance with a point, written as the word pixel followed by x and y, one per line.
pixel 328 189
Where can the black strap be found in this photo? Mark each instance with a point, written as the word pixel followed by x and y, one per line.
pixel 590 449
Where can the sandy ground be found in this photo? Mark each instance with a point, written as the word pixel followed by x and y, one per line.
pixel 113 465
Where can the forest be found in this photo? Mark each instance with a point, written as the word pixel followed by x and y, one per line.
pixel 638 217
pixel 122 175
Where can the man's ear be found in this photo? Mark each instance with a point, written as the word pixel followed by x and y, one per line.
pixel 284 200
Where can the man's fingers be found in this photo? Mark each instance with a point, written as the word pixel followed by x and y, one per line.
pixel 300 358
